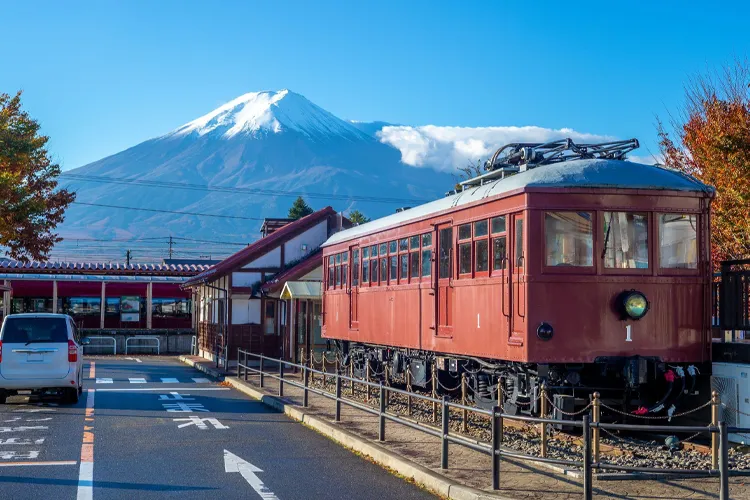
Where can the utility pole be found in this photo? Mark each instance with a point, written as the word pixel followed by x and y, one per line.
pixel 127 257
pixel 170 247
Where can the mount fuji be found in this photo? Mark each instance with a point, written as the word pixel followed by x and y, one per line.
pixel 256 154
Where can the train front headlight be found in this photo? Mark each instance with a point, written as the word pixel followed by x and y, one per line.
pixel 634 304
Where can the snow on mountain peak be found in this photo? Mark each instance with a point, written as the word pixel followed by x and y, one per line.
pixel 269 112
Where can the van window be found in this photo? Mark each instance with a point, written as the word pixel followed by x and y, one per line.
pixel 23 330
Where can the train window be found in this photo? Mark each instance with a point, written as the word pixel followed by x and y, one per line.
pixel 403 244
pixel 464 232
pixel 519 243
pixel 393 245
pixel 355 267
pixel 331 271
pixel 414 263
pixel 365 271
pixel 625 240
pixel 384 270
pixel 482 255
pixel 394 268
pixel 678 246
pixel 569 239
pixel 426 240
pixel 374 251
pixel 374 271
pixel 464 258
pixel 414 243
pixel 331 260
pixel 480 228
pixel 345 257
pixel 498 224
pixel 445 243
pixel 426 262
pixel 383 249
pixel 499 256
pixel 338 275
pixel 365 252
pixel 404 266
pixel 344 272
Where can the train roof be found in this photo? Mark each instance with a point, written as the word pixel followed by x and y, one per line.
pixel 585 173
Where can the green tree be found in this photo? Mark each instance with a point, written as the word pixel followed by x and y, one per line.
pixel 358 217
pixel 31 206
pixel 299 209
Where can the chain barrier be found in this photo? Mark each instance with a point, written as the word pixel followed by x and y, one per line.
pixel 440 384
pixel 735 410
pixel 568 413
pixel 656 417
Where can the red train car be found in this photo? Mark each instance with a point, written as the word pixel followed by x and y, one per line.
pixel 564 265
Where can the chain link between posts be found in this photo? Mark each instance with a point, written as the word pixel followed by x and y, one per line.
pixel 656 417
pixel 568 413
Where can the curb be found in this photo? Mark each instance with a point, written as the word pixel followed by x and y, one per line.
pixel 403 466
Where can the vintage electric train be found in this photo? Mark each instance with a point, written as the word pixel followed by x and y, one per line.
pixel 564 264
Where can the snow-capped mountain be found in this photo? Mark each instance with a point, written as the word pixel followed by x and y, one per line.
pixel 266 146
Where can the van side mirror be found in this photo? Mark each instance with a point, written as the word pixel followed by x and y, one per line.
pixel 85 341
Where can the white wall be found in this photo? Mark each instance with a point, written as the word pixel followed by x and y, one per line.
pixel 314 275
pixel 312 238
pixel 245 279
pixel 270 259
pixel 245 311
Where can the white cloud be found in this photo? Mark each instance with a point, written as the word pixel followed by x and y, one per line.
pixel 446 148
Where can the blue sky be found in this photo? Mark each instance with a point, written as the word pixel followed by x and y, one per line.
pixel 102 76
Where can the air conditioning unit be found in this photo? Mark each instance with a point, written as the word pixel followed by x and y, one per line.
pixel 732 381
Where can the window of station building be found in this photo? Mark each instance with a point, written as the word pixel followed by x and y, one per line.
pixel 112 306
pixel 82 306
pixel 569 239
pixel 167 308
pixel 355 267
pixel 678 241
pixel 464 232
pixel 426 254
pixel 625 240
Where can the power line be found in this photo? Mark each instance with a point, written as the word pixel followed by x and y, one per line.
pixel 167 211
pixel 223 189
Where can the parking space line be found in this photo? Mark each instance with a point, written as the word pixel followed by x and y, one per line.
pixel 25 464
pixel 200 380
pixel 170 381
pixel 104 381
pixel 92 370
pixel 191 389
pixel 137 380
pixel 86 470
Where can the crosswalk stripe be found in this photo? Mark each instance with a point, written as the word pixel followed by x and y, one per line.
pixel 201 380
pixel 137 380
pixel 104 381
pixel 170 381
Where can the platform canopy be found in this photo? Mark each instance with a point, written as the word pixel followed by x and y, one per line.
pixel 301 290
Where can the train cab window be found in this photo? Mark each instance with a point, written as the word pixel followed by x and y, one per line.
pixel 625 240
pixel 464 232
pixel 384 271
pixel 394 268
pixel 445 247
pixel 403 244
pixel 464 258
pixel 519 243
pixel 426 254
pixel 678 241
pixel 392 246
pixel 569 239
pixel 355 267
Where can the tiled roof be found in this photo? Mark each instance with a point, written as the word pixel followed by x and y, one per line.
pixel 100 267
pixel 263 245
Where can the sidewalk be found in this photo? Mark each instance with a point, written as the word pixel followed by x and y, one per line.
pixel 416 455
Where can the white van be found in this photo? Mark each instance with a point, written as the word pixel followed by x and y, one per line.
pixel 41 353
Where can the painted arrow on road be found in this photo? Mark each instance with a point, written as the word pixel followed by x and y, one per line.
pixel 233 463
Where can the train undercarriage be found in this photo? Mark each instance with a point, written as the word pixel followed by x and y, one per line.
pixel 633 385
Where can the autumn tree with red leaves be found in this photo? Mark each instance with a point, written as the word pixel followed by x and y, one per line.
pixel 713 144
pixel 31 205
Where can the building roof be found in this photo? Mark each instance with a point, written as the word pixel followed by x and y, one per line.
pixel 100 268
pixel 262 246
pixel 189 262
pixel 302 290
pixel 614 174
pixel 295 272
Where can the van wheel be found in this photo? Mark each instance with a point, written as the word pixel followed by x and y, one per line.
pixel 70 396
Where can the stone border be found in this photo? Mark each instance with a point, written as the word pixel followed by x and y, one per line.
pixel 421 475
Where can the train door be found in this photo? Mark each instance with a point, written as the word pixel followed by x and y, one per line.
pixel 354 290
pixel 517 280
pixel 444 281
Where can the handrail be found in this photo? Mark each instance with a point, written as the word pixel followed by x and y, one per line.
pixel 158 343
pixel 114 344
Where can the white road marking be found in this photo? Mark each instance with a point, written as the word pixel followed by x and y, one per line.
pixel 174 396
pixel 104 381
pixel 11 455
pixel 35 410
pixel 38 419
pixel 200 380
pixel 135 359
pixel 200 423
pixel 24 428
pixel 184 407
pixel 86 470
pixel 24 464
pixel 21 441
pixel 170 381
pixel 137 380
pixel 233 463
pixel 192 389
pixel 13 419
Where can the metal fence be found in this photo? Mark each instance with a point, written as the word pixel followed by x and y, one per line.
pixel 733 295
pixel 495 448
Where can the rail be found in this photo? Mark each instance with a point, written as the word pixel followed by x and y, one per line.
pixel 495 448
pixel 157 345
pixel 114 344
pixel 194 346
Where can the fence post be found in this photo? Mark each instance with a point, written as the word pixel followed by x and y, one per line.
pixel 715 403
pixel 338 397
pixel 444 449
pixel 464 413
pixel 312 365
pixel 434 391
pixel 367 380
pixel 408 389
pixel 281 379
pixel 500 396
pixel 381 433
pixel 723 461
pixel 543 413
pixel 387 384
pixel 306 384
pixel 596 417
pixel 351 375
pixel 587 489
pixel 324 370
pixel 497 438
pixel 261 371
pixel 239 362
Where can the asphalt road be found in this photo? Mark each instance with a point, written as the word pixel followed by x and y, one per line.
pixel 159 429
